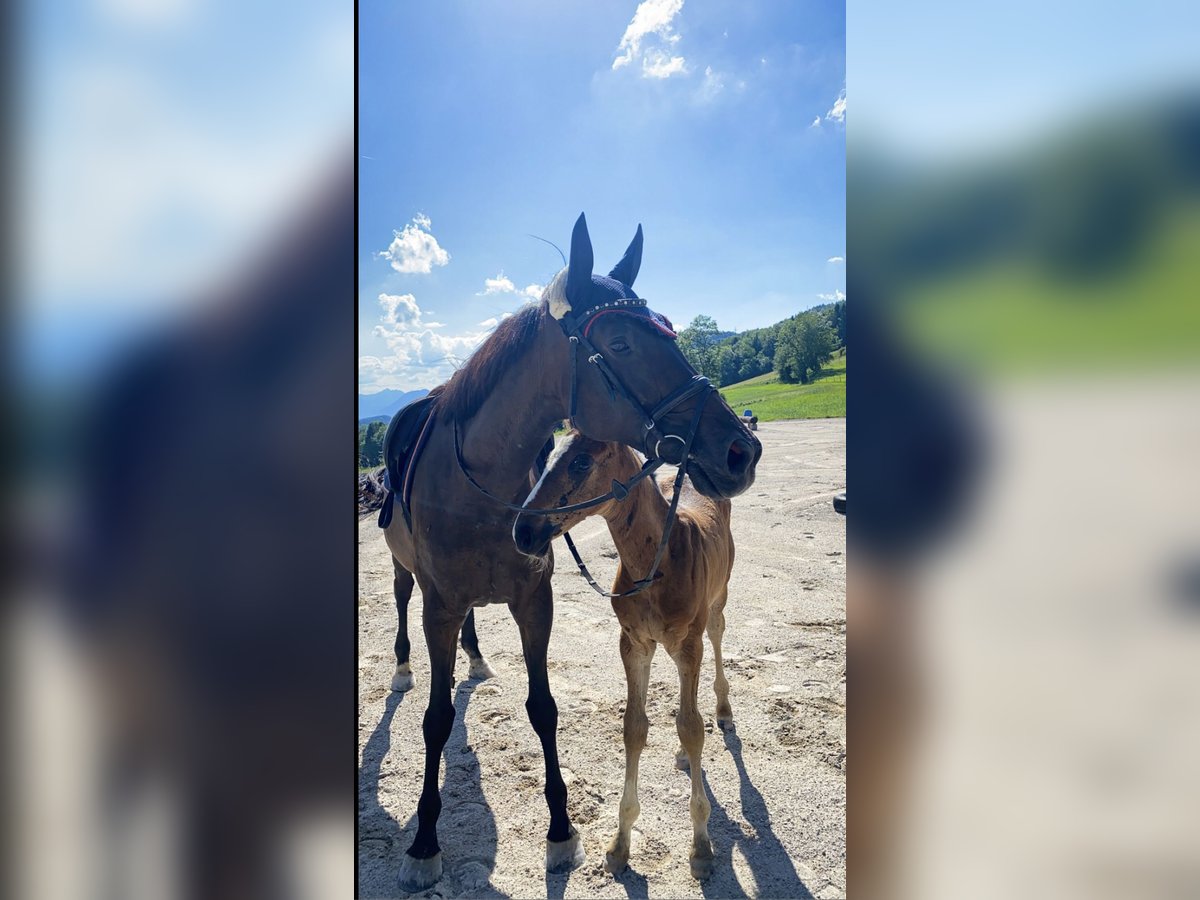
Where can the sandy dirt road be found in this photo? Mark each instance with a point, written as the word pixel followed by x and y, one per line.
pixel 777 785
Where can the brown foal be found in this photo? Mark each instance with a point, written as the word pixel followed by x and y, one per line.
pixel 687 600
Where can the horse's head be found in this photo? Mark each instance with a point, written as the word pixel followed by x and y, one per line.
pixel 633 385
pixel 580 468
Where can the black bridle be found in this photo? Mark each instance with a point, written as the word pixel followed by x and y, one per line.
pixel 655 457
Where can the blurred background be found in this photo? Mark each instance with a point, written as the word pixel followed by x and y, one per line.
pixel 182 335
pixel 1023 251
pixel 1024 588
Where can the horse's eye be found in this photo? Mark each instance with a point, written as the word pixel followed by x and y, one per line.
pixel 619 346
pixel 581 463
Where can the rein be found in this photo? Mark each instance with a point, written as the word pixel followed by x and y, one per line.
pixel 618 491
pixel 577 336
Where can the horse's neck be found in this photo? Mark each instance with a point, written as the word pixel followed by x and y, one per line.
pixel 501 441
pixel 640 516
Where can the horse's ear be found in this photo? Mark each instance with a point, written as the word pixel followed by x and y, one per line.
pixel 579 270
pixel 626 270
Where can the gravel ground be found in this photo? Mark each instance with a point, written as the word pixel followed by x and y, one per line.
pixel 777 785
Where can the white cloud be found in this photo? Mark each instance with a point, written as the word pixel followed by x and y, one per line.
pixel 414 249
pixel 837 112
pixel 651 18
pixel 836 259
pixel 711 86
pixel 420 354
pixel 816 123
pixel 501 284
pixel 830 298
pixel 657 64
pixel 377 373
pixel 401 310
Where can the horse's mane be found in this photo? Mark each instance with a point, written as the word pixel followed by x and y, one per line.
pixel 462 396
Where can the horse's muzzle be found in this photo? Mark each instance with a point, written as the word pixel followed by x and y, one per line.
pixel 532 535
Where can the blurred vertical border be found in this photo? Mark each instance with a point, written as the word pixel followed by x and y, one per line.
pixel 181 514
pixel 1023 434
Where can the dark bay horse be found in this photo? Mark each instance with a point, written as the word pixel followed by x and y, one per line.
pixel 590 350
pixel 675 610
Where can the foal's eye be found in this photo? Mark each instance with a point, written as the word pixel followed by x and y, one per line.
pixel 619 346
pixel 581 463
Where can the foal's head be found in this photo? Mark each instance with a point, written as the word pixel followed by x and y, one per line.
pixel 580 468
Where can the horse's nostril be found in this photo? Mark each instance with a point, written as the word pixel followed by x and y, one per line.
pixel 523 533
pixel 737 460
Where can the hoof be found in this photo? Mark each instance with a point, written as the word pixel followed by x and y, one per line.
pixel 726 724
pixel 702 866
pixel 419 874
pixel 402 678
pixel 563 856
pixel 480 670
pixel 615 863
pixel 682 762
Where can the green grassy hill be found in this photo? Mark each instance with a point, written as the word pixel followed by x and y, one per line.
pixel 771 399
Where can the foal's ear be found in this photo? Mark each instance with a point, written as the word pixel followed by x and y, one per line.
pixel 579 270
pixel 626 270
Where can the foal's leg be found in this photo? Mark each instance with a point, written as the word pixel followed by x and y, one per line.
pixel 716 631
pixel 402 587
pixel 535 616
pixel 690 725
pixel 637 659
pixel 421 866
pixel 479 669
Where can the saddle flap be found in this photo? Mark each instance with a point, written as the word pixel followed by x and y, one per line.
pixel 401 436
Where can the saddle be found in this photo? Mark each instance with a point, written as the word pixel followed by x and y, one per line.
pixel 402 445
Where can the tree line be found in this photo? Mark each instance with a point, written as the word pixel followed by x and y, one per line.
pixel 370 444
pixel 796 348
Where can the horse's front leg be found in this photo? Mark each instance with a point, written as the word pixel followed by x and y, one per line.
pixel 636 659
pixel 534 617
pixel 421 865
pixel 690 726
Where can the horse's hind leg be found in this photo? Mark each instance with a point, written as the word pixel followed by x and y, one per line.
pixel 402 587
pixel 637 659
pixel 421 865
pixel 690 725
pixel 716 631
pixel 535 616
pixel 480 669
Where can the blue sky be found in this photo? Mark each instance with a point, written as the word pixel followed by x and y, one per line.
pixel 717 126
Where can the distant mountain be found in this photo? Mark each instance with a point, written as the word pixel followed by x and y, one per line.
pixel 384 404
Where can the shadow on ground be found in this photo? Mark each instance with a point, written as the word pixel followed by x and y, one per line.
pixel 466 828
pixel 774 874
